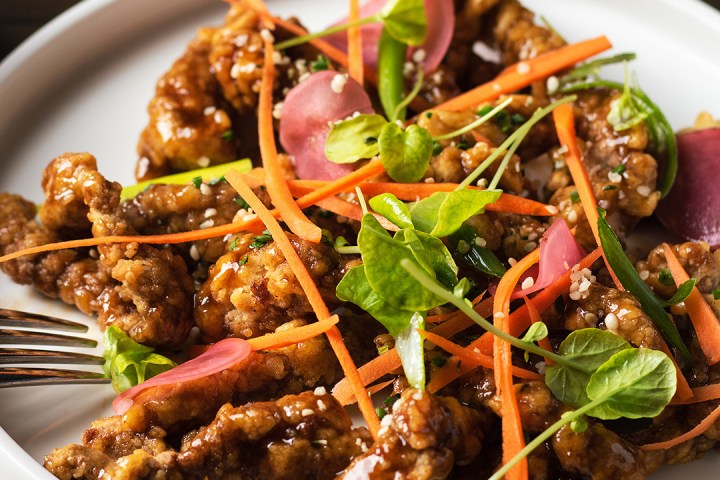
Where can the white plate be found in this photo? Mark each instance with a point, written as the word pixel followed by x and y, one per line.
pixel 82 84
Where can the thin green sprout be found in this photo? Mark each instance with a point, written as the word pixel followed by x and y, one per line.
pixel 476 123
pixel 411 96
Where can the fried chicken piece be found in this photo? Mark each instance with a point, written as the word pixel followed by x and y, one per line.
pixel 301 436
pixel 697 260
pixel 252 290
pixel 422 439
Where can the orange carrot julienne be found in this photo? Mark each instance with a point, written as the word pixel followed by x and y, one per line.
pixel 513 439
pixel 565 126
pixel 352 211
pixel 701 428
pixel 683 390
pixel 261 9
pixel 313 295
pixel 355 54
pixel 701 394
pixel 535 318
pixel 474 358
pixel 278 189
pixel 292 336
pixel 410 192
pixel 707 325
pixel 483 307
pixel 526 72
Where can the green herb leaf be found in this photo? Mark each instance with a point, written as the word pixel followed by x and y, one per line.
pixel 409 345
pixel 442 213
pixel 405 20
pixel 535 333
pixel 432 250
pixel 665 277
pixel 480 258
pixel 632 282
pixel 348 142
pixel 625 112
pixel 381 254
pixel 716 294
pixel 586 350
pixel 322 63
pixel 355 288
pixel 233 245
pixel 682 293
pixel 390 207
pixel 129 363
pixel 261 240
pixel 227 135
pixel 634 383
pixel 197 181
pixel 405 154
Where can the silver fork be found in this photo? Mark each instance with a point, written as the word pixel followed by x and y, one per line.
pixel 10 354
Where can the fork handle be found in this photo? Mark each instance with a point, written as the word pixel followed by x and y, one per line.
pixel 21 377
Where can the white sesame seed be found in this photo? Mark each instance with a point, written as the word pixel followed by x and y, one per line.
pixel 205 189
pixel 528 283
pixel 203 161
pixel 572 216
pixel 523 68
pixel 320 442
pixel 419 55
pixel 574 287
pixel 463 247
pixel 530 246
pixel 338 82
pixel 541 367
pixel 303 77
pixel 480 242
pixel 408 69
pixel 482 183
pixel 306 412
pixel 603 204
pixel 552 84
pixel 614 177
pixel 499 315
pixel 207 111
pixel 429 180
pixel 363 447
pixel 386 420
pixel 584 285
pixel 266 35
pixel 575 296
pixel 532 236
pixel 358 441
pixel 210 212
pixel 591 319
pixel 611 322
pixel 93 253
pixel 565 265
pixel 277 110
pixel 194 254
pixel 586 273
pixel 321 405
pixel 207 223
pixel 235 71
pixel 496 87
pixel 644 190
pixel 512 261
pixel 644 274
pixel 319 391
pixel 241 40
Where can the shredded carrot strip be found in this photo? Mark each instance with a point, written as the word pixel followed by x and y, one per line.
pixel 355 54
pixel 526 72
pixel 483 307
pixel 410 192
pixel 513 439
pixel 313 296
pixel 701 428
pixel 519 321
pixel 348 182
pixel 534 318
pixel 683 390
pixel 278 189
pixel 565 126
pixel 703 318
pixel 476 359
pixel 271 341
pixel 701 394
pixel 261 9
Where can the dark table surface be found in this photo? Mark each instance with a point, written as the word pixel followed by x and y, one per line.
pixel 20 18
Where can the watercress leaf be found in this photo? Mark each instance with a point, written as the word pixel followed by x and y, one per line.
pixel 535 333
pixel 682 293
pixel 390 207
pixel 354 287
pixel 628 276
pixel 405 154
pixel 439 258
pixel 127 362
pixel 462 288
pixel 480 258
pixel 633 383
pixel 405 20
pixel 443 213
pixel 587 350
pixel 381 256
pixel 353 139
pixel 409 345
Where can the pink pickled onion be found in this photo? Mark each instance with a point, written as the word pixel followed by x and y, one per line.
pixel 221 356
pixel 559 251
pixel 441 24
pixel 308 110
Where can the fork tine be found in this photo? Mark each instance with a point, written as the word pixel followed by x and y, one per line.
pixel 25 355
pixel 18 337
pixel 19 377
pixel 16 318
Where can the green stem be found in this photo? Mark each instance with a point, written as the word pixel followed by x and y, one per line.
pixel 476 123
pixel 467 309
pixel 537 116
pixel 411 96
pixel 361 199
pixel 293 42
pixel 550 431
pixel 350 250
pixel 506 159
pixel 391 82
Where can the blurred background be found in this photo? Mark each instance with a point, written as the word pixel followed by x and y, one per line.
pixel 20 18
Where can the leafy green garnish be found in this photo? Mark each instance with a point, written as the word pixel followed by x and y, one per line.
pixel 665 277
pixel 681 294
pixel 632 282
pixel 535 333
pixel 390 207
pixel 625 112
pixel 227 135
pixel 409 345
pixel 716 294
pixel 442 213
pixel 480 258
pixel 260 240
pixel 405 153
pixel 233 245
pixel 320 64
pixel 592 69
pixel 197 181
pixel 128 363
pixel 355 138
pixel 205 174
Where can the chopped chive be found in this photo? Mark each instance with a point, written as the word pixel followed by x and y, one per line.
pixel 381 412
pixel 233 246
pixel 574 196
pixel 665 277
pixel 428 114
pixel 439 361
pixel 240 202
pixel 716 294
pixel 619 169
pixel 197 181
pixel 390 401
pixel 610 187
pixel 217 180
pixel 260 240
pixel 322 63
pixel 227 135
pixel 244 260
pixel 437 148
